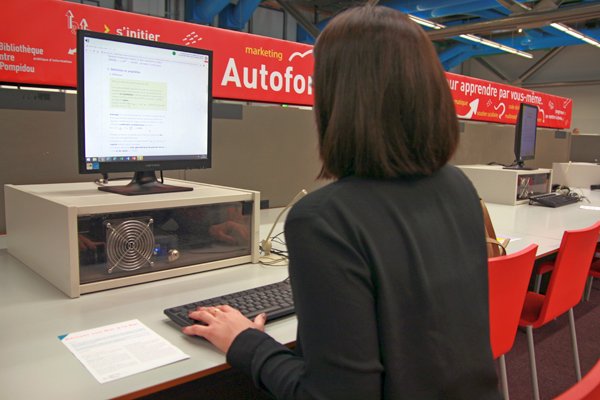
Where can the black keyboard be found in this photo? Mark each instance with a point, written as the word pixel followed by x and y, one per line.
pixel 275 300
pixel 553 199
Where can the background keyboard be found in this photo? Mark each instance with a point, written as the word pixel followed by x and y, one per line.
pixel 553 199
pixel 275 300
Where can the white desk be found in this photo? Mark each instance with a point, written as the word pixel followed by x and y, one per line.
pixel 35 364
pixel 576 174
pixel 542 225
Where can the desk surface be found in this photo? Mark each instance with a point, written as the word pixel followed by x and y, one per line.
pixel 35 364
pixel 526 224
pixel 576 174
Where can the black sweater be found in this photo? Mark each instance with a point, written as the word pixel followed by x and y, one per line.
pixel 390 289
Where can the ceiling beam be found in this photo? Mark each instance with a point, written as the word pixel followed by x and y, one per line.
pixel 491 68
pixel 561 84
pixel 531 19
pixel 535 67
pixel 300 18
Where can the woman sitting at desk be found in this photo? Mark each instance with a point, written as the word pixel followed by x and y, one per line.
pixel 388 264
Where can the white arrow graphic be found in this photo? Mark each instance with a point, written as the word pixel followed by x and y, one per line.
pixel 69 16
pixel 543 114
pixel 474 104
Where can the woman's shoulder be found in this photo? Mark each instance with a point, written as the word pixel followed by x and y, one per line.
pixel 314 200
pixel 327 200
pixel 349 192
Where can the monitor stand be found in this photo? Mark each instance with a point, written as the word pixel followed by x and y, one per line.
pixel 144 182
pixel 520 166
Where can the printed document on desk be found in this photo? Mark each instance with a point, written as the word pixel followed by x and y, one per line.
pixel 115 351
pixel 594 208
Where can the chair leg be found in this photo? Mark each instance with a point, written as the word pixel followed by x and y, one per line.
pixel 503 378
pixel 574 344
pixel 538 283
pixel 588 288
pixel 534 380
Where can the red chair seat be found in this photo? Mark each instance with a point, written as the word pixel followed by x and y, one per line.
pixel 531 309
pixel 544 267
pixel 595 268
pixel 593 273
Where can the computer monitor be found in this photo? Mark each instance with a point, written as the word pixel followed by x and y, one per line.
pixel 525 135
pixel 143 107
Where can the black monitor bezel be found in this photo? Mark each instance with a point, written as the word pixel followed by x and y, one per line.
pixel 145 165
pixel 519 133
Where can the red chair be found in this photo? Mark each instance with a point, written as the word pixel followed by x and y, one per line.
pixel 594 273
pixel 586 389
pixel 564 292
pixel 540 270
pixel 548 266
pixel 508 278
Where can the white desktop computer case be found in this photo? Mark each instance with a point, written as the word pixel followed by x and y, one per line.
pixel 45 225
pixel 508 186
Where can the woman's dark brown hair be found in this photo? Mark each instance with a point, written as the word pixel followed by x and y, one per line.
pixel 382 102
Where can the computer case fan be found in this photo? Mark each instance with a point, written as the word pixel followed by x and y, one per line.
pixel 129 244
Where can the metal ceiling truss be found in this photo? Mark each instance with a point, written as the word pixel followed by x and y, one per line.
pixel 525 21
pixel 508 22
pixel 520 24
pixel 231 16
pixel 532 70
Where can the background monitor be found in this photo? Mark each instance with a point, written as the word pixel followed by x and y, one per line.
pixel 143 106
pixel 525 135
pixel 585 148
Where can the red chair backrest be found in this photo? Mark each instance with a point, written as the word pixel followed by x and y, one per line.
pixel 570 271
pixel 586 389
pixel 508 278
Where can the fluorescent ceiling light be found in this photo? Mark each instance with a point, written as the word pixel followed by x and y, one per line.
pixel 473 38
pixel 576 34
pixel 566 29
pixel 424 22
pixel 496 45
pixel 39 89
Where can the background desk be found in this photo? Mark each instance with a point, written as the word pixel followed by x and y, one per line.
pixel 526 224
pixel 35 364
pixel 576 174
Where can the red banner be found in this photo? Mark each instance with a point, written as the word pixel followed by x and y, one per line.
pixel 479 100
pixel 38 46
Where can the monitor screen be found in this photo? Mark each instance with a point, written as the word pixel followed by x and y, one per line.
pixel 143 106
pixel 525 135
